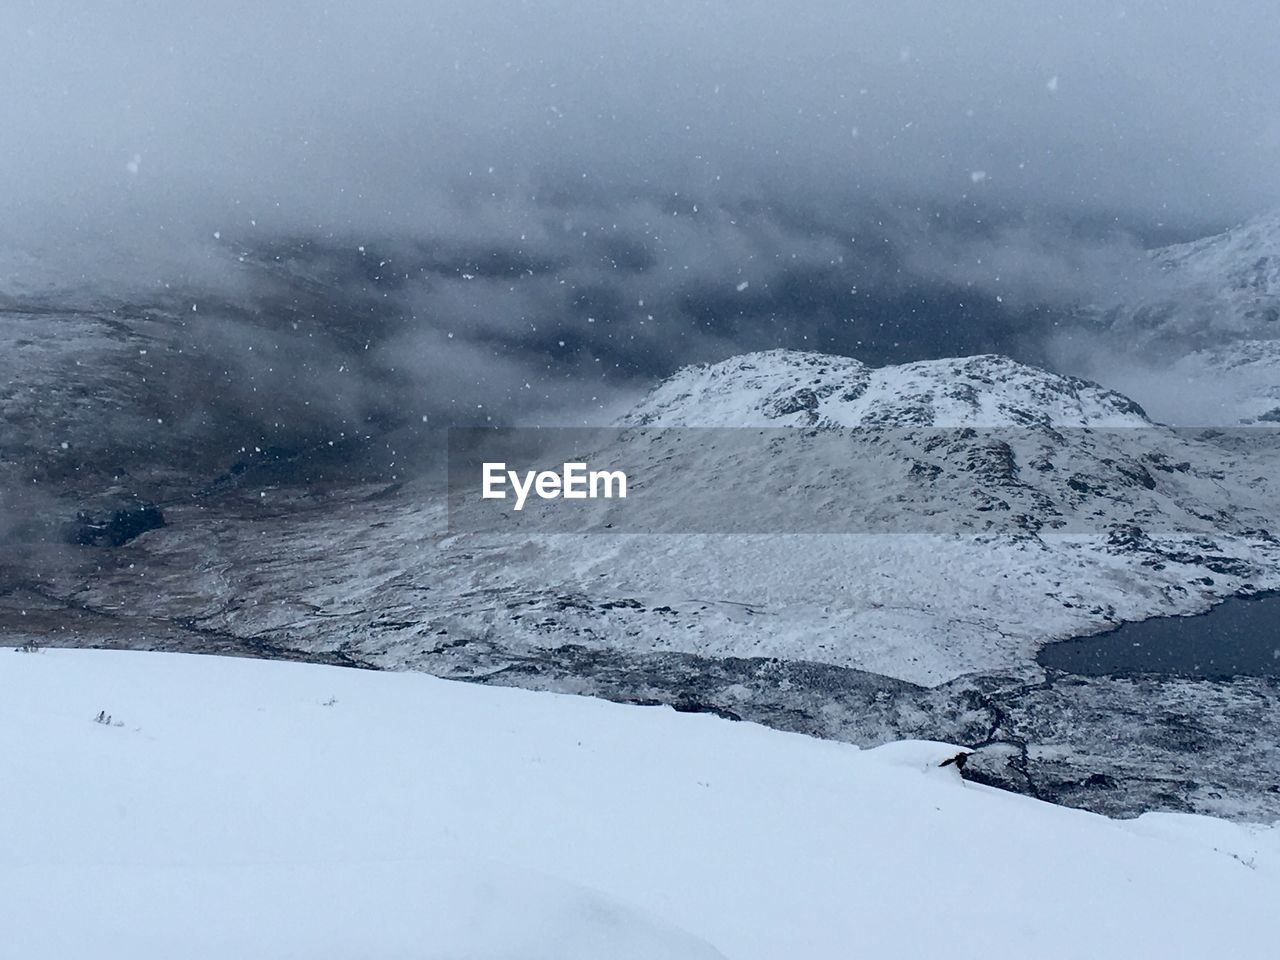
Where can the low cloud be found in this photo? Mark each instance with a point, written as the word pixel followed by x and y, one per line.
pixel 341 220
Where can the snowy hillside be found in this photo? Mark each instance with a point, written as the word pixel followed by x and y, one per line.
pixel 1200 343
pixel 244 808
pixel 1209 291
pixel 1225 286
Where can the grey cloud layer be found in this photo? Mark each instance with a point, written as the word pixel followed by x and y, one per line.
pixel 374 114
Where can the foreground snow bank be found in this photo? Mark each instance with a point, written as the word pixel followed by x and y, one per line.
pixel 248 808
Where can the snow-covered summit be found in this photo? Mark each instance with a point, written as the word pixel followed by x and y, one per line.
pixel 780 388
pixel 968 444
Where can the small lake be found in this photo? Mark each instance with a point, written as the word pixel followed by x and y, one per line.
pixel 1238 637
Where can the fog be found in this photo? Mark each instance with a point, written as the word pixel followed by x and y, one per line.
pixel 519 209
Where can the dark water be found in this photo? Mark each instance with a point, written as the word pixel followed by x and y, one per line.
pixel 1238 637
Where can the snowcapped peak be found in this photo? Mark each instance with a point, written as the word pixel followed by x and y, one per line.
pixel 771 388
pixel 791 388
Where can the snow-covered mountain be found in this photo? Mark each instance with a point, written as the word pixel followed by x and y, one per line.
pixel 239 808
pixel 1220 288
pixel 1162 524
pixel 1197 337
pixel 868 634
pixel 788 442
pixel 1200 343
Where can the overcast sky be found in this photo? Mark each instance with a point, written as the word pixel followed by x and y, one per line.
pixel 369 114
pixel 523 206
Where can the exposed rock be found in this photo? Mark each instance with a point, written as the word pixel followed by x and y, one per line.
pixel 116 527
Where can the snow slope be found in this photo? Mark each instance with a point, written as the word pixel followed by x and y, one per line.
pixel 1216 289
pixel 269 810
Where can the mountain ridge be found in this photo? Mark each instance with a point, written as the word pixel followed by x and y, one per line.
pixel 793 388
